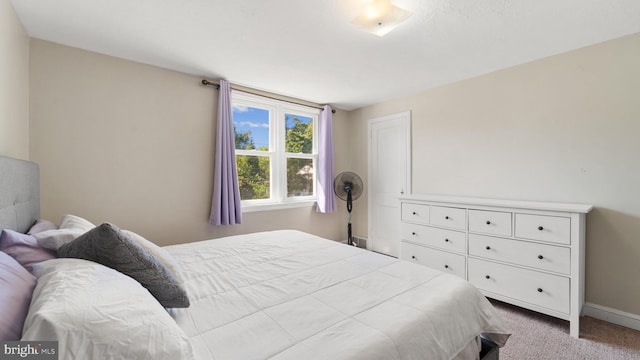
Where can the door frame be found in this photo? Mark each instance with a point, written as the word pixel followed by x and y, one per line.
pixel 406 117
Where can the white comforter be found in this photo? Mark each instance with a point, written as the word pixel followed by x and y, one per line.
pixel 292 295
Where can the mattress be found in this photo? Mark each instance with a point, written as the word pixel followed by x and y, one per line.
pixel 292 295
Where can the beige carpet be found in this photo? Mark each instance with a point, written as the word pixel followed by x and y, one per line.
pixel 537 336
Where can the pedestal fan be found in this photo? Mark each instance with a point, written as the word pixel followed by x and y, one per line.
pixel 348 187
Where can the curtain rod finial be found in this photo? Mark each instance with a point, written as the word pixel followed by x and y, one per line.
pixel 209 83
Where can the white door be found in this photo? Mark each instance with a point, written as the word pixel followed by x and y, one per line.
pixel 389 178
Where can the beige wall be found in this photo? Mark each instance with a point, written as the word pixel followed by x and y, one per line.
pixel 565 128
pixel 14 84
pixel 133 144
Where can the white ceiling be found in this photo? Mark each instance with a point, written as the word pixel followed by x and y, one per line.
pixel 309 50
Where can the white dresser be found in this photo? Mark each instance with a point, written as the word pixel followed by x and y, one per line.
pixel 529 254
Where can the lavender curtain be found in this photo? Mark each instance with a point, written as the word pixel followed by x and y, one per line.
pixel 225 203
pixel 326 197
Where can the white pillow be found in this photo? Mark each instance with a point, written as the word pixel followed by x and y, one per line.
pixel 70 228
pixel 75 222
pixel 95 312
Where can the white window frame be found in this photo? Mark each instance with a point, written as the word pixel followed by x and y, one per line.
pixel 278 157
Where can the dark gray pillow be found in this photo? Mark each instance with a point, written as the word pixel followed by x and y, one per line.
pixel 109 246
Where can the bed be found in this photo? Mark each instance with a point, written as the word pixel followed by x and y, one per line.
pixel 271 295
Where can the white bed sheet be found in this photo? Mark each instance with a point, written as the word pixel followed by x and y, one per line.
pixel 291 295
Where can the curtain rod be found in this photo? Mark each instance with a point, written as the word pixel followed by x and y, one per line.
pixel 247 90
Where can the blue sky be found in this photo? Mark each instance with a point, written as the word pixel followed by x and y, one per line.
pixel 256 120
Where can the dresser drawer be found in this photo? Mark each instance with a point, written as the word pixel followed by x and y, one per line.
pixel 450 240
pixel 415 213
pixel 539 256
pixel 548 291
pixel 490 222
pixel 454 218
pixel 554 229
pixel 435 259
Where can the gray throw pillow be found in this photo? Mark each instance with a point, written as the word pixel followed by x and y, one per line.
pixel 109 246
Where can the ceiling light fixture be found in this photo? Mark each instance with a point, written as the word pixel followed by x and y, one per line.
pixel 380 16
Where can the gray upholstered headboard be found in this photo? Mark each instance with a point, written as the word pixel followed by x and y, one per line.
pixel 19 194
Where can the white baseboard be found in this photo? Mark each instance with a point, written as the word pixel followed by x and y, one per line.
pixel 613 316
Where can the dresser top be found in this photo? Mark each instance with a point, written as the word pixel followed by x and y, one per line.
pixel 533 205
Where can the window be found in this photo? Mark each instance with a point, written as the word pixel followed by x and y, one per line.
pixel 276 152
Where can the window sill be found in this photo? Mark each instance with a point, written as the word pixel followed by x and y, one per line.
pixel 277 206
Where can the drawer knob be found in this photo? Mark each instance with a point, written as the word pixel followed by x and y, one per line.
pixel 488 222
pixel 413 233
pixel 487 277
pixel 415 213
pixel 446 240
pixel 413 256
pixel 446 266
pixel 540 228
pixel 540 257
pixel 539 289
pixel 488 247
pixel 446 218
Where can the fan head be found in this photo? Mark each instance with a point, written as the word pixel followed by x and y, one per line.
pixel 347 182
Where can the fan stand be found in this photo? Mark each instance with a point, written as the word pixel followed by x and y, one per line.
pixel 349 208
pixel 348 186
